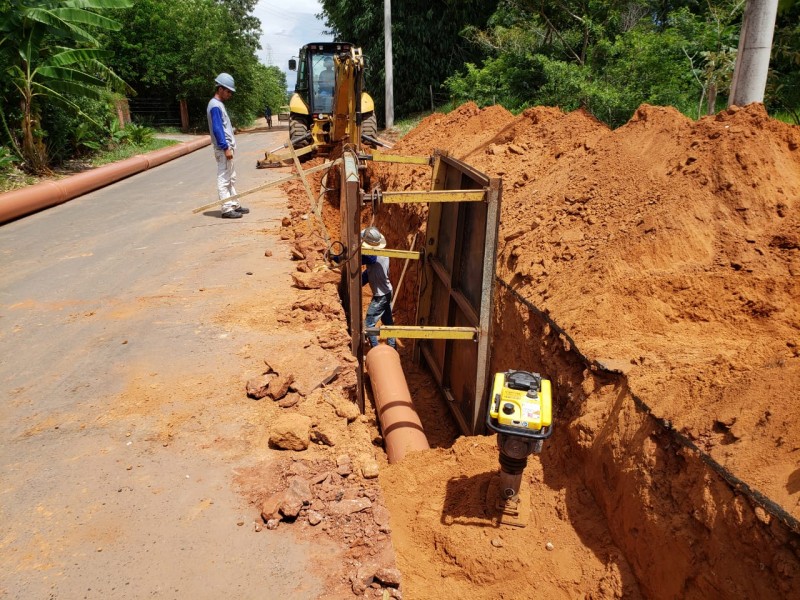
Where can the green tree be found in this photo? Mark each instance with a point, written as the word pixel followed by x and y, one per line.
pixel 783 85
pixel 49 52
pixel 608 57
pixel 174 50
pixel 248 27
pixel 426 41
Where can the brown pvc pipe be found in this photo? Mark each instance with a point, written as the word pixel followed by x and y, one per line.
pixel 400 424
pixel 50 193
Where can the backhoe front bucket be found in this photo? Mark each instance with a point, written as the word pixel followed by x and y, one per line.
pixel 282 157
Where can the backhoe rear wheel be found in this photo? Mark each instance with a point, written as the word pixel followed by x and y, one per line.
pixel 298 130
pixel 369 124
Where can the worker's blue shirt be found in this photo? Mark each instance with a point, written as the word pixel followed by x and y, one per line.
pixel 219 125
pixel 376 274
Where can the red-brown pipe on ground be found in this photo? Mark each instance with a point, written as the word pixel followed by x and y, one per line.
pixel 400 424
pixel 49 193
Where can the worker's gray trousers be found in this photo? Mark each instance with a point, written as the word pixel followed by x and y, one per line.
pixel 226 177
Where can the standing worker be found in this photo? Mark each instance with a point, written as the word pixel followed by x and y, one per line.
pixel 219 125
pixel 377 275
pixel 268 116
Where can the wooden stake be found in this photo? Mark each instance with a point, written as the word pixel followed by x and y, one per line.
pixel 403 274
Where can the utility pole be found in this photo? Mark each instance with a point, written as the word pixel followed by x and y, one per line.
pixel 387 51
pixel 752 59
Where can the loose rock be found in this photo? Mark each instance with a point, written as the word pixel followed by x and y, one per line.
pixel 290 432
pixel 257 386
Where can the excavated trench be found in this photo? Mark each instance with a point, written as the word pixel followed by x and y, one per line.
pixel 652 273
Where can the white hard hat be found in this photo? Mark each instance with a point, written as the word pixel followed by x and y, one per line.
pixel 371 237
pixel 225 81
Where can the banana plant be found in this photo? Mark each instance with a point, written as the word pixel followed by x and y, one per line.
pixel 50 55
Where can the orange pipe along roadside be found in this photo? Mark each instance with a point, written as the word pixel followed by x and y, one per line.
pixel 50 193
pixel 400 424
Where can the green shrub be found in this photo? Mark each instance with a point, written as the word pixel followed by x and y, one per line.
pixel 139 135
pixel 7 160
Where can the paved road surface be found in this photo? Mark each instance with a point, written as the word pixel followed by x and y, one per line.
pixel 113 354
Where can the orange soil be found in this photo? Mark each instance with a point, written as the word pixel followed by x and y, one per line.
pixel 668 250
pixel 652 273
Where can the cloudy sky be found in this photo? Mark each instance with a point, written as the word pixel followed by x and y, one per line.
pixel 286 25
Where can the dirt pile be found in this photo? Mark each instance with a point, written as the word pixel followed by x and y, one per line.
pixel 669 246
pixel 668 250
pixel 651 273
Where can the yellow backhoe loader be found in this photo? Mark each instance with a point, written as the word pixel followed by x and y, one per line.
pixel 329 107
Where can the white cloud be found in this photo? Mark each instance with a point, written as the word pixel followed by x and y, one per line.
pixel 285 28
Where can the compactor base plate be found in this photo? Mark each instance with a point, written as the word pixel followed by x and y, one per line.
pixel 515 511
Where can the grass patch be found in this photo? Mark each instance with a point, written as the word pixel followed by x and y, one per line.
pixel 406 124
pixel 785 117
pixel 13 179
pixel 128 150
pixel 403 126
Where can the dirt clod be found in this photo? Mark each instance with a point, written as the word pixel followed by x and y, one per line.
pixel 290 432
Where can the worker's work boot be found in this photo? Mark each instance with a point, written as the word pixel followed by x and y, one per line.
pixel 242 209
pixel 231 214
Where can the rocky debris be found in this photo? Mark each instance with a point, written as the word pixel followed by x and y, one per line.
pixel 368 574
pixel 289 400
pixel 319 306
pixel 287 503
pixel 308 249
pixel 311 367
pixel 344 466
pixel 315 280
pixel 381 516
pixel 388 576
pixel 297 495
pixel 323 436
pixel 257 386
pixel 348 509
pixel 344 408
pixel 290 432
pixel 279 386
pixel 333 338
pixel 272 383
pixel 369 467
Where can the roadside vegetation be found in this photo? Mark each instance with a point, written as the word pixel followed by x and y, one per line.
pixel 607 57
pixel 12 177
pixel 71 67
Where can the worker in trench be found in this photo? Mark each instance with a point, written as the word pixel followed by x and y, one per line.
pixel 376 274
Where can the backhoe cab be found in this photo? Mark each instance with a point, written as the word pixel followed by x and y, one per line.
pixel 329 107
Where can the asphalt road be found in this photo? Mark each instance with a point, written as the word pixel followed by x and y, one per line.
pixel 122 387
